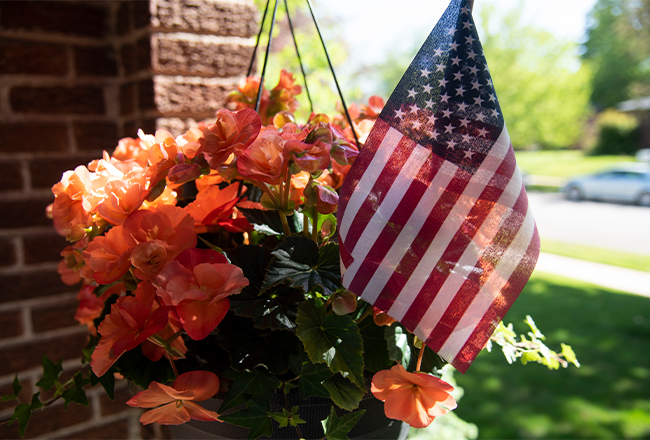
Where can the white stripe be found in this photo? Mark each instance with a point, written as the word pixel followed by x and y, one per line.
pixel 490 290
pixel 448 229
pixel 382 215
pixel 474 251
pixel 367 181
pixel 410 231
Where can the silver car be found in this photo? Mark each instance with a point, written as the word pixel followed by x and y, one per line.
pixel 623 183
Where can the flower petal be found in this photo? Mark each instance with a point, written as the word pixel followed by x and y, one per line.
pixel 169 414
pixel 158 394
pixel 199 413
pixel 204 384
pixel 199 318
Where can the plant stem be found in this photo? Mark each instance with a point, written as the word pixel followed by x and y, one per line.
pixel 419 363
pixel 365 313
pixel 314 229
pixel 173 367
pixel 305 226
pixel 285 224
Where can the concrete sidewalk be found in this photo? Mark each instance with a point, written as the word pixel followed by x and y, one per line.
pixel 612 277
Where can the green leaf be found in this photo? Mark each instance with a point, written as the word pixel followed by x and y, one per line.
pixel 375 348
pixel 51 373
pixel 36 402
pixel 534 330
pixel 22 413
pixel 211 246
pixel 530 356
pixel 17 387
pixel 252 260
pixel 75 395
pixel 107 381
pixel 256 418
pixel 268 221
pixel 275 309
pixel 337 429
pixel 344 393
pixel 399 348
pixel 311 376
pixel 257 383
pixel 431 362
pixel 299 261
pixel 286 417
pixel 569 355
pixel 332 339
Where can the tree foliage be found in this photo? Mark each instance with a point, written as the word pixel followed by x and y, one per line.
pixel 618 49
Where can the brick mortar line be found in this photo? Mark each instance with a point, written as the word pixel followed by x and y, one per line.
pixel 73 81
pixel 204 38
pixel 36 194
pixel 32 230
pixel 40 302
pixel 52 38
pixel 50 334
pixel 28 268
pixel 64 432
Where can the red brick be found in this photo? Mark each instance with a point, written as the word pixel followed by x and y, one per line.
pixel 11 324
pixel 88 19
pixel 146 95
pixel 7 252
pixel 24 395
pixel 57 100
pixel 35 136
pixel 94 136
pixel 141 14
pixel 143 54
pixel 115 430
pixel 50 419
pixel 43 248
pixel 31 285
pixel 55 317
pixel 30 355
pixel 11 177
pixel 32 58
pixel 122 394
pixel 24 213
pixel 95 61
pixel 47 172
pixel 221 18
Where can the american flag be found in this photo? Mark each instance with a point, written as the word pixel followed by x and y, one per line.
pixel 434 223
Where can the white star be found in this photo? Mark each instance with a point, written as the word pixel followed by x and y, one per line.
pixel 399 114
pixel 493 97
pixel 449 128
pixel 469 39
pixel 462 106
pixel 440 67
pixel 495 113
pixel 473 70
pixel 446 113
pixel 476 85
pixel 458 76
pixel 471 54
pixel 443 82
pixel 429 103
pixel 427 88
pixel 452 145
pixel 478 100
pixel 438 52
pixel 480 117
pixel 464 122
pixel 468 154
pixel 467 25
pixel 433 119
pixel 425 72
pixel 451 31
pixel 412 93
pixel 466 138
pixel 454 46
pixel 489 82
pixel 416 124
pixel 482 132
pixel 465 10
pixel 444 98
pixel 456 60
pixel 460 90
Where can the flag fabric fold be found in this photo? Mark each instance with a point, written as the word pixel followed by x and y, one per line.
pixel 434 223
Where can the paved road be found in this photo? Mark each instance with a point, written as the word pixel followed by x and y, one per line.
pixel 605 225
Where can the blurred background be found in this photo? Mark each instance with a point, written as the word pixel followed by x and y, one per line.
pixel 573 81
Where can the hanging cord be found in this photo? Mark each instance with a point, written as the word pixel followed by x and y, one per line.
pixel 471 5
pixel 266 59
pixel 329 62
pixel 295 43
pixel 257 43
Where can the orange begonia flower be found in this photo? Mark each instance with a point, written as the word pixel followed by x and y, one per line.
pixel 131 321
pixel 414 398
pixel 175 404
pixel 107 258
pixel 214 207
pixel 308 157
pixel 381 318
pixel 122 198
pixel 263 160
pixel 198 284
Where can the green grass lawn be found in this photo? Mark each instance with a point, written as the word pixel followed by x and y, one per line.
pixel 565 163
pixel 607 398
pixel 598 255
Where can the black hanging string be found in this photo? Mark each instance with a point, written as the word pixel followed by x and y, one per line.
pixel 302 69
pixel 266 59
pixel 257 43
pixel 329 62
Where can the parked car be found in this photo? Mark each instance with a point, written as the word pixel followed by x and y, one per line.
pixel 623 183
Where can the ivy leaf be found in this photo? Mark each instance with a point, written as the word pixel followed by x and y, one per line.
pixel 399 348
pixel 310 376
pixel 256 418
pixel 344 393
pixel 107 381
pixel 375 348
pixel 275 309
pixel 23 413
pixel 337 429
pixel 286 417
pixel 299 261
pixel 17 387
pixel 252 260
pixel 257 383
pixel 51 373
pixel 568 354
pixel 332 339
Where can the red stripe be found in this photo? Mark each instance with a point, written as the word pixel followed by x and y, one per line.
pixel 396 224
pixel 362 161
pixel 484 330
pixel 382 185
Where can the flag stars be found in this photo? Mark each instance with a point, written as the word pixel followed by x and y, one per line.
pixel 444 98
pixel 460 89
pixel 429 103
pixel 493 97
pixel 433 119
pixel 456 60
pixel 469 39
pixel 465 10
pixel 462 107
pixel 476 85
pixel 467 25
pixel 446 113
pixel 471 54
pixel 473 70
pixel 451 31
pixel 495 113
pixel 416 124
pixel 438 52
pixel 452 145
pixel 464 122
pixel 480 117
pixel 468 154
pixel 478 100
pixel 454 46
pixel 427 88
pixel 412 93
pixel 399 114
pixel 466 138
pixel 482 132
pixel 425 72
pixel 458 76
pixel 449 128
pixel 443 82
pixel 440 67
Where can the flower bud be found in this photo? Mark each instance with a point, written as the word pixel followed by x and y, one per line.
pixel 344 302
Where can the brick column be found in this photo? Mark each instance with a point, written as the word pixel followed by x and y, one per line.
pixel 74 78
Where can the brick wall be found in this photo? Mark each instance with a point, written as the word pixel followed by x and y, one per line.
pixel 75 76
